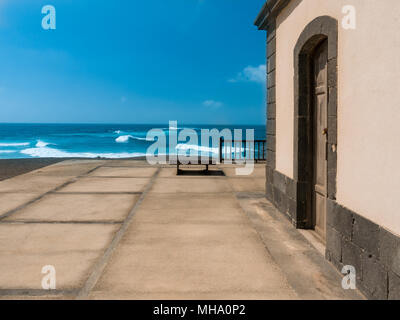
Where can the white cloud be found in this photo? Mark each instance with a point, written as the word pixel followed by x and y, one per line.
pixel 212 103
pixel 252 74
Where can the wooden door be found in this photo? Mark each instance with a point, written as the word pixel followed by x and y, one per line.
pixel 320 124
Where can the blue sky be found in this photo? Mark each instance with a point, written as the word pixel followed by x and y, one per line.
pixel 131 61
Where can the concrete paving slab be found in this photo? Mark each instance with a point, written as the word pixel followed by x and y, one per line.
pixel 191 237
pixel 69 168
pixel 307 271
pixel 79 162
pixel 126 163
pixel 23 271
pixel 247 185
pixel 10 201
pixel 194 185
pixel 187 233
pixel 77 207
pixel 94 184
pixel 193 215
pixel 123 172
pixel 32 183
pixel 191 258
pixel 191 208
pixel 258 172
pixel 189 200
pixel 72 249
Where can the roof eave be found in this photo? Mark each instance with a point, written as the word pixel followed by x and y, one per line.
pixel 269 12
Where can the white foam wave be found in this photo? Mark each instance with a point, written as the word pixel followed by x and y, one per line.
pixel 42 144
pixel 197 148
pixel 125 139
pixel 7 151
pixel 46 152
pixel 18 144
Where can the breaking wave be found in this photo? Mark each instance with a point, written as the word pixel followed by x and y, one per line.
pixel 41 144
pixel 186 147
pixel 18 144
pixel 125 139
pixel 45 152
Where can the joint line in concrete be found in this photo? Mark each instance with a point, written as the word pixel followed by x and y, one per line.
pixel 12 211
pixel 102 262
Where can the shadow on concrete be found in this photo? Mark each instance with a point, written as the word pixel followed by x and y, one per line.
pixel 195 173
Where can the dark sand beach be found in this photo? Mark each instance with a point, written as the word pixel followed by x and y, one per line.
pixel 13 167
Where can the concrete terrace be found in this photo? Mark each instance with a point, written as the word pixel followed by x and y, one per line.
pixel 122 229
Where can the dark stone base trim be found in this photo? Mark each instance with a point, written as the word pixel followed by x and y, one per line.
pixel 371 249
pixel 350 239
pixel 283 192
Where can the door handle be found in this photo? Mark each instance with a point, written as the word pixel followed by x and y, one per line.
pixel 325 132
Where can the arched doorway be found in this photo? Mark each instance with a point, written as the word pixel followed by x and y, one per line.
pixel 315 116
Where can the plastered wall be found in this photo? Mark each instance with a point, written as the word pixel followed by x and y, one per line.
pixel 368 172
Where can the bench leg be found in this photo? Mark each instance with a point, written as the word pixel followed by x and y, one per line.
pixel 177 168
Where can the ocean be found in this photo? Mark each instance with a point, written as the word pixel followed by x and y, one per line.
pixel 95 140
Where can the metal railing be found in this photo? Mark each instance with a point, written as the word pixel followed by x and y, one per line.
pixel 242 150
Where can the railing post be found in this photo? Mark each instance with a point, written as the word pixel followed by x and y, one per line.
pixel 263 150
pixel 220 150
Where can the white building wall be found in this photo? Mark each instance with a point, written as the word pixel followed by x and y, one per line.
pixel 368 172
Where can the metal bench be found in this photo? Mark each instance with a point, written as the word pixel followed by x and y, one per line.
pixel 195 161
pixel 230 150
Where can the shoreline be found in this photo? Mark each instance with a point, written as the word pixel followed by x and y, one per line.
pixel 10 168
